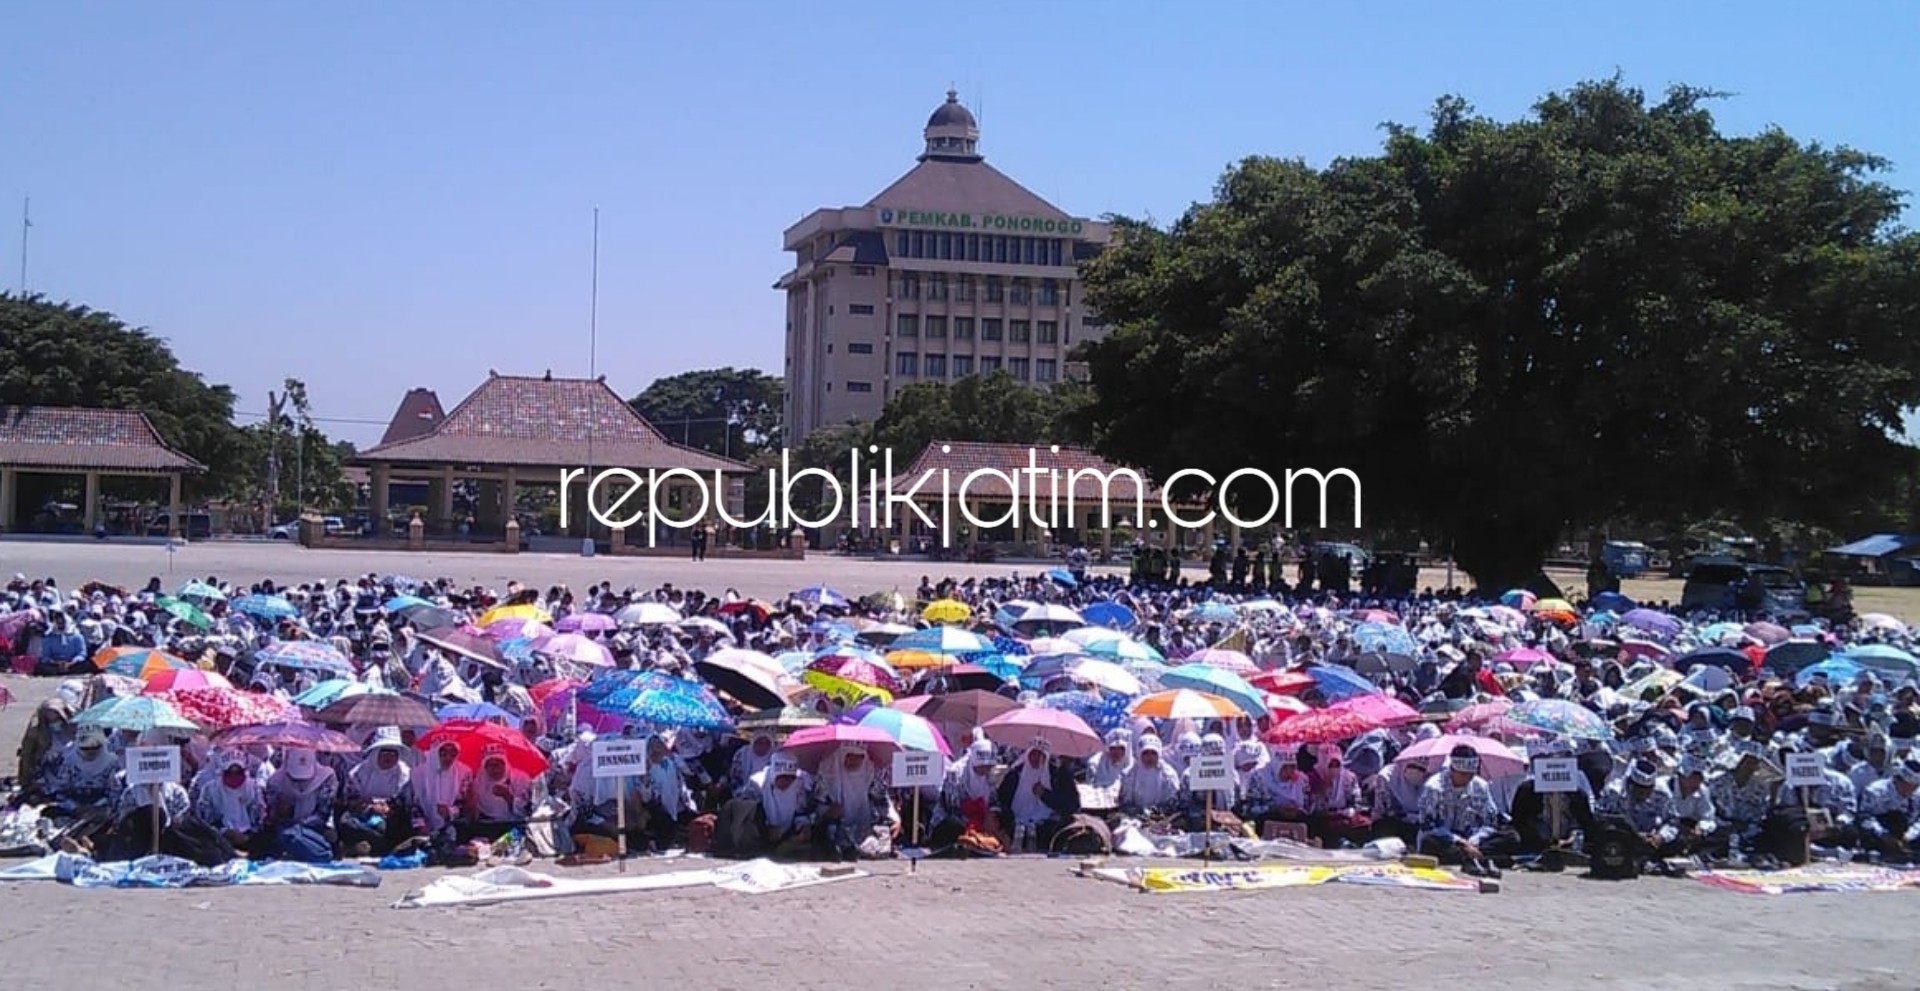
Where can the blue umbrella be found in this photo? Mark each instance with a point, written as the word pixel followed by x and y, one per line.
pixel 1337 683
pixel 330 691
pixel 1209 612
pixel 681 703
pixel 1217 681
pixel 997 664
pixel 1837 669
pixel 610 683
pixel 1613 602
pixel 1384 639
pixel 943 640
pixel 820 595
pixel 400 602
pixel 307 655
pixel 1111 614
pixel 268 607
pixel 477 711
pixel 1007 645
pixel 794 661
pixel 1100 712
pixel 1884 658
pixel 1045 668
pixel 1063 576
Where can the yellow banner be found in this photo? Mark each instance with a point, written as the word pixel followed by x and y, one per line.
pixel 1165 879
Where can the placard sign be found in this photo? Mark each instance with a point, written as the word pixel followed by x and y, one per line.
pixel 1210 772
pixel 153 765
pixel 619 758
pixel 1556 775
pixel 1806 770
pixel 913 769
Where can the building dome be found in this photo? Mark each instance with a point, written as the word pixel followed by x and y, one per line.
pixel 952 133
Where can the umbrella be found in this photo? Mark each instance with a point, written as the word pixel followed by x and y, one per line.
pixel 1061 576
pixel 943 640
pixel 1377 662
pixel 1383 638
pixel 137 714
pixel 1321 726
pixel 1212 612
pixel 184 611
pixel 1508 616
pixel 1046 619
pixel 910 731
pixel 1655 682
pixel 1282 681
pixel 915 660
pixel 267 607
pixel 554 696
pixel 1479 715
pixel 1557 610
pixel 1786 658
pixel 1496 759
pixel 1722 657
pixel 605 684
pixel 1220 657
pixel 1560 718
pixel 472 646
pixel 831 670
pixel 882 634
pixel 752 607
pixel 515 628
pixel 203 591
pixel 474 712
pixel 987 671
pixel 522 611
pixel 1518 598
pixel 475 739
pixel 327 691
pixel 946 611
pixel 1186 703
pixel 1882 621
pixel 779 721
pixel 1523 656
pixel 586 622
pixel 307 655
pixel 676 702
pixel 1384 710
pixel 811 745
pixel 1087 636
pixel 1335 682
pixel 1107 675
pixel 820 596
pixel 136 662
pixel 289 733
pixel 1052 645
pixel 647 614
pixel 1217 681
pixel 1110 614
pixel 400 602
pixel 957 713
pixel 424 615
pixel 1123 649
pixel 1837 669
pixel 1100 713
pixel 1657 623
pixel 1768 633
pixel 1721 632
pixel 180 679
pixel 225 708
pixel 1375 616
pixel 575 648
pixel 1066 734
pixel 748 675
pixel 1613 602
pixel 1644 648
pixel 1885 659
pixel 377 708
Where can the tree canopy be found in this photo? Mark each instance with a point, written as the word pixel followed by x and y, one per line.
pixel 1608 308
pixel 727 411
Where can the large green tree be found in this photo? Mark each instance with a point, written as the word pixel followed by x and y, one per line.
pixel 1608 308
pixel 995 408
pixel 61 354
pixel 728 411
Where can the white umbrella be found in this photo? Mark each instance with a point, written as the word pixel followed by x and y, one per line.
pixel 647 614
pixel 1105 674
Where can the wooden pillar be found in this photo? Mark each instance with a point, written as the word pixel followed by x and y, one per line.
pixel 509 493
pixel 175 528
pixel 8 480
pixel 379 498
pixel 90 509
pixel 445 508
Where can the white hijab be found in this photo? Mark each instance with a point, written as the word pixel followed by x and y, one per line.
pixel 1028 808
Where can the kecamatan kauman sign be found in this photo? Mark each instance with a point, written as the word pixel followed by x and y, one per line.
pixel 937 220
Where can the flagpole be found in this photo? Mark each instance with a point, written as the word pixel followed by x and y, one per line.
pixel 26 224
pixel 593 369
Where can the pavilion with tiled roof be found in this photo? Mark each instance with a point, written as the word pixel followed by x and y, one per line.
pixel 515 430
pixel 1074 473
pixel 93 443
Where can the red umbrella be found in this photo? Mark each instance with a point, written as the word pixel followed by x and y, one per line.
pixel 1384 710
pixel 814 744
pixel 475 739
pixel 290 733
pixel 1478 715
pixel 1322 726
pixel 225 708
pixel 1282 682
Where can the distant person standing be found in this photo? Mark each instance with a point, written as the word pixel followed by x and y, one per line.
pixel 699 541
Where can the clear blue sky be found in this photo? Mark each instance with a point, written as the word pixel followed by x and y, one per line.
pixel 378 196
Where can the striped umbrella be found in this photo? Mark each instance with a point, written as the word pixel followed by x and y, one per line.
pixel 908 730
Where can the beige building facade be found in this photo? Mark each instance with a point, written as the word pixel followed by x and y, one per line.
pixel 953 270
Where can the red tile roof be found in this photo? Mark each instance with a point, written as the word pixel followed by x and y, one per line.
pixel 419 413
pixel 959 458
pixel 66 438
pixel 526 422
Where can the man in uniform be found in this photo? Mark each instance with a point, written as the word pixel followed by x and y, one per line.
pixel 1458 816
pixel 1890 813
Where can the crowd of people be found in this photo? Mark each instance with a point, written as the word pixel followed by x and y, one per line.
pixel 419 722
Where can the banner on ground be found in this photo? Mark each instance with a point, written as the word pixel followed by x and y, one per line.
pixel 1168 879
pixel 1834 878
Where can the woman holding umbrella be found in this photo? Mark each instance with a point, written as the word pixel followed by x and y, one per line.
pixel 857 817
pixel 1038 796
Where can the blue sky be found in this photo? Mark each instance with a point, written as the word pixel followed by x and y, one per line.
pixel 379 196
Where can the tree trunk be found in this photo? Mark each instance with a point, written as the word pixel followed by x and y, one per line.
pixel 1500 554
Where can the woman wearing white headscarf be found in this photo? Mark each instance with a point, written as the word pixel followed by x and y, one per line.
pixel 1151 785
pixel 785 796
pixel 300 806
pixel 1038 796
pixel 1106 769
pixel 856 807
pixel 751 759
pixel 669 802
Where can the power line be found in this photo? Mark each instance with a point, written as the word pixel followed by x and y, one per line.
pixel 320 419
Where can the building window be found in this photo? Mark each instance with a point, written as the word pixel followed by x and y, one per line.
pixel 860 309
pixel 1021 294
pixel 964 290
pixel 863 270
pixel 919 244
pixel 901 242
pixel 906 364
pixel 909 286
pixel 990 328
pixel 1046 370
pixel 989 365
pixel 1018 366
pixel 1049 292
pixel 963 328
pixel 973 247
pixel 906 325
pixel 962 365
pixel 1049 332
pixel 947 244
pixel 1019 331
pixel 1000 249
pixel 1053 252
pixel 995 292
pixel 855 347
pixel 1026 250
pixel 856 386
pixel 936 327
pixel 936 366
pixel 936 286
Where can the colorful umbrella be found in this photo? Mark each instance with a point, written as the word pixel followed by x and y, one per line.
pixel 521 611
pixel 1479 715
pixel 225 708
pixel 184 611
pixel 1384 710
pixel 181 679
pixel 1560 718
pixel 586 622
pixel 1123 649
pixel 1066 734
pixel 305 736
pixel 1518 598
pixel 137 662
pixel 1185 703
pixel 574 648
pixel 947 611
pixel 1100 713
pixel 943 640
pixel 476 739
pixel 377 708
pixel 1321 726
pixel 910 731
pixel 840 667
pixel 1496 760
pixel 748 675
pixel 811 745
pixel 820 596
pixel 674 703
pixel 137 714
pixel 305 655
pixel 1220 657
pixel 957 713
pixel 1220 682
pixel 320 695
pixel 267 607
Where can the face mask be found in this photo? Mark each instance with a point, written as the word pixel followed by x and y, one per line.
pixel 233 779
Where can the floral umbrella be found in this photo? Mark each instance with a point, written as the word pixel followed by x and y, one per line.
pixel 828 671
pixel 1561 718
pixel 1322 726
pixel 586 622
pixel 676 702
pixel 1220 657
pixel 305 655
pixel 288 733
pixel 1479 715
pixel 226 708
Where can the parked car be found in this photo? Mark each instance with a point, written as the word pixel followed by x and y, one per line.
pixel 290 530
pixel 1713 583
pixel 1625 558
pixel 194 526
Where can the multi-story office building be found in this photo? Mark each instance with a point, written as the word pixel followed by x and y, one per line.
pixel 953 270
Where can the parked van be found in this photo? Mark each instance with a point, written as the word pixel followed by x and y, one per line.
pixel 1713 583
pixel 1625 558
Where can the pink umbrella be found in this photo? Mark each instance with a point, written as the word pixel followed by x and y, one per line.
pixel 1066 734
pixel 184 679
pixel 814 744
pixel 586 622
pixel 1508 615
pixel 576 648
pixel 514 628
pixel 1284 706
pixel 1644 648
pixel 1496 761
pixel 1218 657
pixel 597 720
pixel 226 708
pixel 1384 710
pixel 1479 715
pixel 1524 655
pixel 1376 616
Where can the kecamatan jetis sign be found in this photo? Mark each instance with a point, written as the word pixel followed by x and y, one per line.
pixel 941 220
